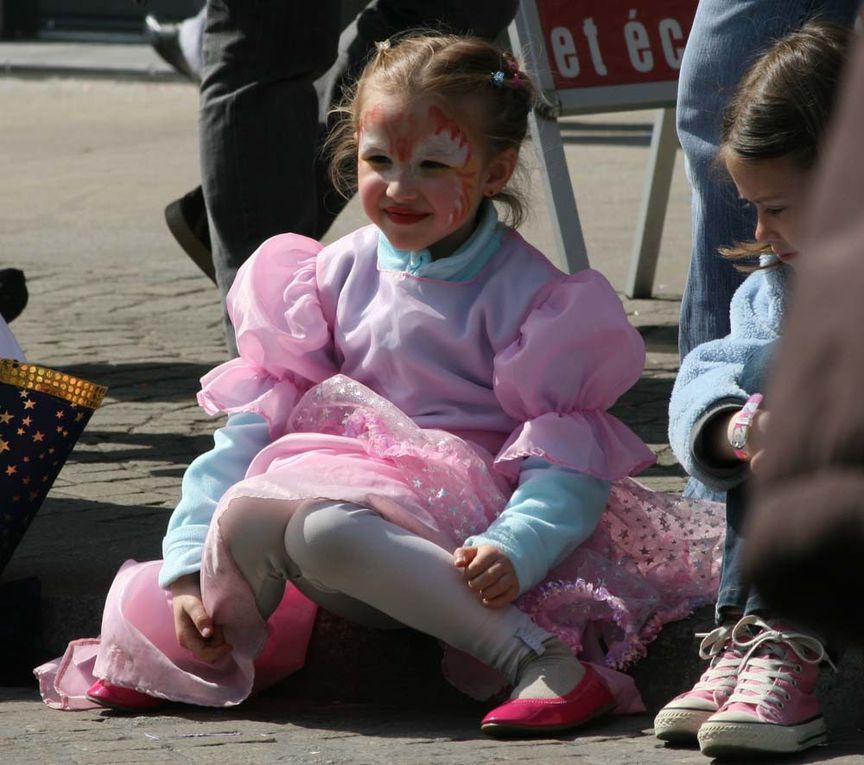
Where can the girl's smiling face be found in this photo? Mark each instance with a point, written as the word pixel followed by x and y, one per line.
pixel 422 173
pixel 776 188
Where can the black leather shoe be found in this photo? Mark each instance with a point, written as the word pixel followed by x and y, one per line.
pixel 165 40
pixel 187 221
pixel 13 293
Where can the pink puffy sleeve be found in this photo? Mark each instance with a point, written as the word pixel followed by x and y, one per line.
pixel 283 338
pixel 576 354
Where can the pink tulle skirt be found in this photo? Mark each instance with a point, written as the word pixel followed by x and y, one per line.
pixel 653 558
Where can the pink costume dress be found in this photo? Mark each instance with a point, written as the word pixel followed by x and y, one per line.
pixel 420 398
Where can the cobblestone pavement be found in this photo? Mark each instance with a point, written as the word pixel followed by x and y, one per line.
pixel 89 165
pixel 275 730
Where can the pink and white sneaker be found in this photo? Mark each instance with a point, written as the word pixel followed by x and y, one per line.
pixel 773 709
pixel 680 720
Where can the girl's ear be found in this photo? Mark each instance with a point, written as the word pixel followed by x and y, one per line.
pixel 500 170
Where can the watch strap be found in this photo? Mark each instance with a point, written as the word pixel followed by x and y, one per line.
pixel 741 422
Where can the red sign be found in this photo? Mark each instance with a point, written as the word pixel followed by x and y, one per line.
pixel 591 43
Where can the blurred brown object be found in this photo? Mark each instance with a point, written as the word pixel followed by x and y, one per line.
pixel 806 535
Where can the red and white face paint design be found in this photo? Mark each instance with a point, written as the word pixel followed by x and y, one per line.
pixel 420 177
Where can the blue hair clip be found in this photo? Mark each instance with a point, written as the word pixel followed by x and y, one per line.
pixel 498 78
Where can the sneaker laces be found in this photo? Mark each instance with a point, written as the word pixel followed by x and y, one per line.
pixel 765 660
pixel 725 659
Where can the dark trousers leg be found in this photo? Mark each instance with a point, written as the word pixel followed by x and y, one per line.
pixel 259 122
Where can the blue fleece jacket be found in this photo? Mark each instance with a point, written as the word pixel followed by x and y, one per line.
pixel 720 375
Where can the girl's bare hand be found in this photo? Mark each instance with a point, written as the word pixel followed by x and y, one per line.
pixel 489 573
pixel 193 625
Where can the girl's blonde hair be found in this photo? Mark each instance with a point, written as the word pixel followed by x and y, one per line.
pixel 484 81
pixel 782 106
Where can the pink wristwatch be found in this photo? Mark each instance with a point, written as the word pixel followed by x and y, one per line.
pixel 741 422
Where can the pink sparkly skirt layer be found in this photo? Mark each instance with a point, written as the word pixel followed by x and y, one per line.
pixel 653 558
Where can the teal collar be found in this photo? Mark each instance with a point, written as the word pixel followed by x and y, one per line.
pixel 462 265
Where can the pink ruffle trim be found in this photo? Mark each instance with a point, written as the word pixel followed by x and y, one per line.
pixel 282 335
pixel 593 442
pixel 237 386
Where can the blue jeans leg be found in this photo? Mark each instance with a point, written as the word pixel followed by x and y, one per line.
pixel 725 39
pixel 734 594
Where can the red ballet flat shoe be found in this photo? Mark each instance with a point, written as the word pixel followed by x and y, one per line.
pixel 123 699
pixel 536 717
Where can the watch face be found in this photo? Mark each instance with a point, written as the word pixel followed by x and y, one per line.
pixel 739 438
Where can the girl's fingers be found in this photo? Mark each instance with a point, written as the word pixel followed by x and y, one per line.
pixel 504 599
pixel 498 602
pixel 197 633
pixel 207 649
pixel 463 556
pixel 501 587
pixel 200 618
pixel 481 563
pixel 488 577
pixel 218 638
pixel 190 638
pixel 210 653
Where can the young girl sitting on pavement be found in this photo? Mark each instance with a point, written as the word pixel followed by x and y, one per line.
pixel 757 695
pixel 418 436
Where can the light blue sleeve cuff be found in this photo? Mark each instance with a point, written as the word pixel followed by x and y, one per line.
pixel 552 512
pixel 206 479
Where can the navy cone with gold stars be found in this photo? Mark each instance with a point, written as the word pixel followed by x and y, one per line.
pixel 42 414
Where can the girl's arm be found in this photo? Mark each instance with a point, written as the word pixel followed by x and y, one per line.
pixel 206 479
pixel 716 378
pixel 551 513
pixel 576 353
pixel 716 437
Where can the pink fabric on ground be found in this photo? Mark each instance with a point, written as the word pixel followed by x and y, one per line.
pixel 138 647
pixel 64 681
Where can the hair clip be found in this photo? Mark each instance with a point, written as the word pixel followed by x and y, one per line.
pixel 382 45
pixel 511 64
pixel 498 78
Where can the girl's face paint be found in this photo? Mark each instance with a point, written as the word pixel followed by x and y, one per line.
pixel 421 178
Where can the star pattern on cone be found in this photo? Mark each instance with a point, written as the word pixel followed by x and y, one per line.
pixel 37 433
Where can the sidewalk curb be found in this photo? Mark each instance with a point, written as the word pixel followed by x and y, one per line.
pixel 35 71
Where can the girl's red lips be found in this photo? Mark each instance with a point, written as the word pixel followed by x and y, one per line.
pixel 404 215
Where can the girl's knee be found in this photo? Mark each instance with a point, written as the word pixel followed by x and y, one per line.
pixel 321 533
pixel 253 530
pixel 233 522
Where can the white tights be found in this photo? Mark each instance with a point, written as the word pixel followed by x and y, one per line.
pixel 354 563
